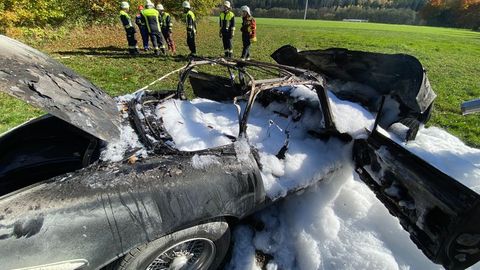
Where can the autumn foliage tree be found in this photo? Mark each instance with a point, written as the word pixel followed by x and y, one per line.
pixel 453 13
pixel 41 13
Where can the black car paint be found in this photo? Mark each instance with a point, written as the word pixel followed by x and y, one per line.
pixel 28 74
pixel 43 148
pixel 103 211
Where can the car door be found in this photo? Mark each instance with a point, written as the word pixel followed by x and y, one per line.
pixel 441 214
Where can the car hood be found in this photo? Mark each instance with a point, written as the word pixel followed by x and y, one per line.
pixel 32 76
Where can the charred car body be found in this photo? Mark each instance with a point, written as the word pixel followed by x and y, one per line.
pixel 62 207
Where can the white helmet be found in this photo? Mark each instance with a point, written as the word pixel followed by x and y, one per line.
pixel 149 4
pixel 186 4
pixel 160 7
pixel 227 4
pixel 124 5
pixel 246 9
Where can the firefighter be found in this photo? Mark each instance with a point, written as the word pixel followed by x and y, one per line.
pixel 248 30
pixel 142 27
pixel 227 28
pixel 129 29
pixel 191 27
pixel 167 25
pixel 152 20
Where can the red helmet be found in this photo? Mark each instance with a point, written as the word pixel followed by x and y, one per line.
pixel 140 7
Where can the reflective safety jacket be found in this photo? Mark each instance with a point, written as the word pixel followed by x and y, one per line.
pixel 249 28
pixel 166 21
pixel 152 20
pixel 190 21
pixel 227 22
pixel 126 21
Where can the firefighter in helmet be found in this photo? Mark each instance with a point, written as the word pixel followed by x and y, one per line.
pixel 227 28
pixel 167 25
pixel 129 28
pixel 142 26
pixel 152 20
pixel 249 31
pixel 191 27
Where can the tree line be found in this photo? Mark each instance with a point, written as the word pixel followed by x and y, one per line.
pixel 449 13
pixel 317 4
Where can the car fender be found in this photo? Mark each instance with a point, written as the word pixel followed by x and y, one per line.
pixel 103 211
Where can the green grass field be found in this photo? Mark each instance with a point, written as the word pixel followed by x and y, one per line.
pixel 451 56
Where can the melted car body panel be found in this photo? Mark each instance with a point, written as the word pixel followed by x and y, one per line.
pixel 103 211
pixel 32 76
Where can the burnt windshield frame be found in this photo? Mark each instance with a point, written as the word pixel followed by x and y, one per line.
pixel 285 76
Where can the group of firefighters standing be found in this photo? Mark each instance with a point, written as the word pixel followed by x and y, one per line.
pixel 155 24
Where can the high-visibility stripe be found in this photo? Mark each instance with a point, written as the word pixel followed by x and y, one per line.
pixel 151 14
pixel 125 14
pixel 164 17
pixel 225 19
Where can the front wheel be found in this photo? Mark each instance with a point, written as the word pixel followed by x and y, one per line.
pixel 200 247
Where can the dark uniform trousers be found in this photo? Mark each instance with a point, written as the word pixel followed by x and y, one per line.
pixel 140 21
pixel 158 40
pixel 132 42
pixel 246 45
pixel 227 43
pixel 191 42
pixel 191 31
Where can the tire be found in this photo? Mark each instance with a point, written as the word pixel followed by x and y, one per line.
pixel 200 247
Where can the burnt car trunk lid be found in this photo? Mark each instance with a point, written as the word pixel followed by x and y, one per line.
pixel 32 76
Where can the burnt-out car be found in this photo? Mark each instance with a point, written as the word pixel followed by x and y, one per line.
pixel 67 204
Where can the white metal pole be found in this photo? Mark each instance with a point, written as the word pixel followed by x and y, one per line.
pixel 306 7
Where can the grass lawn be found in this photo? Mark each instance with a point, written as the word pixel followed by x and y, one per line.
pixel 451 56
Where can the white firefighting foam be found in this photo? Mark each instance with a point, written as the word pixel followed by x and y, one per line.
pixel 337 223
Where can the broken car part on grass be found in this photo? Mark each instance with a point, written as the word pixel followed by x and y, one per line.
pixel 66 202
